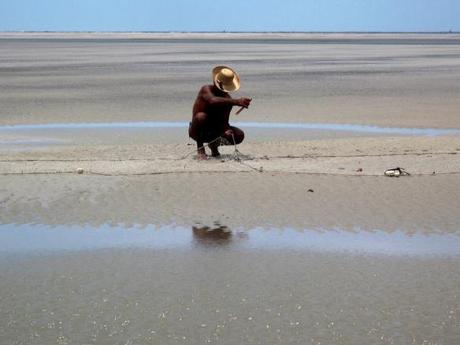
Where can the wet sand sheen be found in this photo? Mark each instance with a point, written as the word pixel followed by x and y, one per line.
pixel 219 294
pixel 427 204
pixel 70 283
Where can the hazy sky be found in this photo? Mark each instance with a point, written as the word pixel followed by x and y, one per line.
pixel 239 15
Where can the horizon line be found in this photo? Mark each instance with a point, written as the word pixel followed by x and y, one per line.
pixel 231 32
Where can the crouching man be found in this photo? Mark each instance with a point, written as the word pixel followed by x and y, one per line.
pixel 211 113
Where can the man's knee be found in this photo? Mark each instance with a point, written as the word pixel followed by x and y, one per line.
pixel 239 137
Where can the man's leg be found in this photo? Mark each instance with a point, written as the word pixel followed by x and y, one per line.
pixel 197 130
pixel 214 146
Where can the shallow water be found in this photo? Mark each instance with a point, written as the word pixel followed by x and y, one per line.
pixel 38 239
pixel 253 124
pixel 199 285
pixel 160 132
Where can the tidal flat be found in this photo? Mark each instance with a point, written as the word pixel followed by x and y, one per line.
pixel 112 233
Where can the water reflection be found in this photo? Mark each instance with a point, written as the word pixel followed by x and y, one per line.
pixel 219 235
pixel 39 238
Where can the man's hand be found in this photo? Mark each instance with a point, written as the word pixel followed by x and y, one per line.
pixel 244 102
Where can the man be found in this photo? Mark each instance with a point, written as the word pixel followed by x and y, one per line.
pixel 211 112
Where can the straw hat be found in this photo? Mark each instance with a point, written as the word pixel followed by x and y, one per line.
pixel 225 78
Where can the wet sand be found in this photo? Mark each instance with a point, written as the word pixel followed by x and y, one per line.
pixel 216 294
pixel 418 204
pixel 302 241
pixel 390 80
pixel 257 258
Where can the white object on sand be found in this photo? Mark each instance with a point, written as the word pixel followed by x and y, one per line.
pixel 396 172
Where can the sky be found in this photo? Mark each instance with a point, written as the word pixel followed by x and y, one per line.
pixel 238 15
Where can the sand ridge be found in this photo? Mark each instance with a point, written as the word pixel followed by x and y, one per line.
pixel 355 156
pixel 313 184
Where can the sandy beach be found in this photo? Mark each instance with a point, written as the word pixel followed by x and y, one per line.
pixel 113 233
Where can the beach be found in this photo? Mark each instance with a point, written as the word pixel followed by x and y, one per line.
pixel 114 233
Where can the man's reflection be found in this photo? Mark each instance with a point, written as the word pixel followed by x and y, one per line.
pixel 218 235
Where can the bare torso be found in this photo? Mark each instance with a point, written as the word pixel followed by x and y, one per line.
pixel 219 113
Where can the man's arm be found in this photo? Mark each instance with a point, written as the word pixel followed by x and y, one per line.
pixel 212 99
